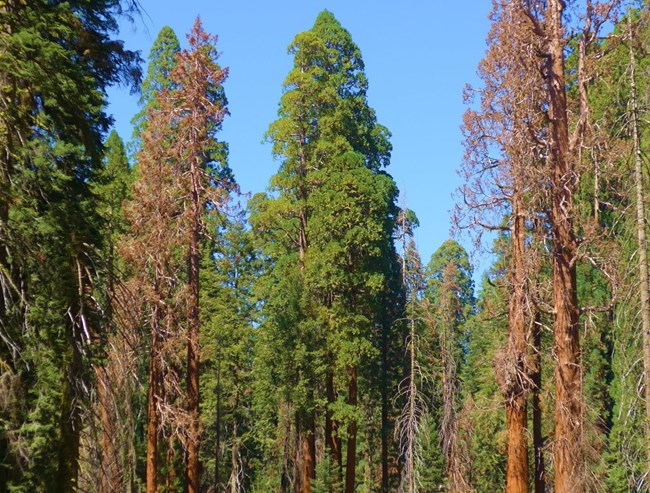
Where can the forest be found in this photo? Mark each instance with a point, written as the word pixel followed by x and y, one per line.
pixel 162 331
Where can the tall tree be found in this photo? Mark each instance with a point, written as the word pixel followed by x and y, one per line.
pixel 328 139
pixel 450 291
pixel 191 168
pixel 57 60
pixel 115 392
pixel 161 61
pixel 410 421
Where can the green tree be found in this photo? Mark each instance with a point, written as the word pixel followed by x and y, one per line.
pixel 332 151
pixel 161 61
pixel 449 291
pixel 57 60
pixel 229 312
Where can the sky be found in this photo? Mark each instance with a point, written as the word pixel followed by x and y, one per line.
pixel 418 54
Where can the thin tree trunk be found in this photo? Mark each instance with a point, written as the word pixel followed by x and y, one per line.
pixel 643 244
pixel 217 448
pixel 568 455
pixel 332 440
pixel 538 437
pixel 412 394
pixel 193 324
pixel 384 407
pixel 351 459
pixel 516 394
pixel 152 413
pixel 235 485
pixel 70 419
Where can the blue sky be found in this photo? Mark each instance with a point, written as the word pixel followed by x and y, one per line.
pixel 419 54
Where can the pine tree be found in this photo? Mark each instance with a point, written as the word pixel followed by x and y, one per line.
pixel 229 311
pixel 332 151
pixel 57 60
pixel 450 294
pixel 180 155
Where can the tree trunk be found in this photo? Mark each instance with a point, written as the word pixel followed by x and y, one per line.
pixel 235 485
pixel 193 467
pixel 308 453
pixel 538 437
pixel 217 447
pixel 643 244
pixel 351 459
pixel 153 395
pixel 568 456
pixel 70 419
pixel 516 394
pixel 384 406
pixel 332 440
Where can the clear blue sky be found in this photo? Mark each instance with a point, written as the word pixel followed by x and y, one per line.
pixel 419 54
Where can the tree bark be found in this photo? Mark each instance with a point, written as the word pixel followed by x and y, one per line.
pixel 308 453
pixel 538 437
pixel 351 459
pixel 516 396
pixel 332 440
pixel 193 323
pixel 643 243
pixel 568 455
pixel 153 395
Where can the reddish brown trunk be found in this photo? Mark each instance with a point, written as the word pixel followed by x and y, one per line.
pixel 152 413
pixel 516 411
pixel 568 460
pixel 538 437
pixel 351 459
pixel 193 323
pixel 517 463
pixel 308 454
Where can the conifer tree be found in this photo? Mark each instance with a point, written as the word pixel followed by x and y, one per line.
pixel 181 156
pixel 52 124
pixel 332 151
pixel 450 291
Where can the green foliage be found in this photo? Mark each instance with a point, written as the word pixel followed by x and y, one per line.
pixel 161 61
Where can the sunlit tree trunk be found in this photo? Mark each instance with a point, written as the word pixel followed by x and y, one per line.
pixel 642 241
pixel 568 454
pixel 516 392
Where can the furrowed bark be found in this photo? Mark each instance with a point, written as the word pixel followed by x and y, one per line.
pixel 536 378
pixel 568 454
pixel 516 395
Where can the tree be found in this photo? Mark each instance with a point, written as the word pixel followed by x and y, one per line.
pixel 504 138
pixel 163 57
pixel 57 60
pixel 116 395
pixel 450 292
pixel 229 312
pixel 190 167
pixel 332 151
pixel 563 159
pixel 409 424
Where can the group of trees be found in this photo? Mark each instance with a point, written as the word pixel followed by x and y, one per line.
pixel 155 337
